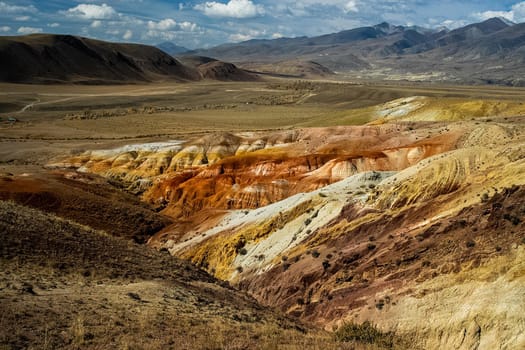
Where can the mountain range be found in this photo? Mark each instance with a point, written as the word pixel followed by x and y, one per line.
pixel 489 52
pixel 486 52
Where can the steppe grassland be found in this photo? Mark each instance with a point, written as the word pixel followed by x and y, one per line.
pixel 57 119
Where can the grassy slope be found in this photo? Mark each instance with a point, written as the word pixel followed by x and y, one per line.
pixel 67 286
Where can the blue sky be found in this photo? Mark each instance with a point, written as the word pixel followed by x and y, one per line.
pixel 202 23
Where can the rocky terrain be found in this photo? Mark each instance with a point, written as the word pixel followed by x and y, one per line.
pixel 414 221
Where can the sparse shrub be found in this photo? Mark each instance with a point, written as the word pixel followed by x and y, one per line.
pixel 307 221
pixel 371 246
pixel 315 253
pixel 364 333
pixel 239 269
pixel 243 251
pixel 326 265
pixel 485 197
pixel 471 244
pixel 380 304
pixel 286 266
pixel 284 258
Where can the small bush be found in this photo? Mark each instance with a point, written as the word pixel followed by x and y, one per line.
pixel 371 246
pixel 471 244
pixel 364 333
pixel 243 251
pixel 315 254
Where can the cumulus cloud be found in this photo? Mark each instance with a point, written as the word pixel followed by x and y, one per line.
pixel 309 7
pixel 22 18
pixel 240 37
pixel 96 24
pixel 5 29
pixel 91 11
pixel 127 35
pixel 452 24
pixel 29 30
pixel 350 6
pixel 6 8
pixel 165 24
pixel 248 35
pixel 516 13
pixel 233 9
pixel 188 26
pixel 54 25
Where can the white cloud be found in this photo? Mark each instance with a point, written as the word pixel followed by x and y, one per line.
pixel 248 35
pixel 165 24
pixel 96 24
pixel 91 11
pixel 166 36
pixel 351 6
pixel 54 25
pixel 5 29
pixel 127 35
pixel 234 9
pixel 277 35
pixel 452 24
pixel 22 18
pixel 29 30
pixel 188 26
pixel 516 13
pixel 240 37
pixel 6 8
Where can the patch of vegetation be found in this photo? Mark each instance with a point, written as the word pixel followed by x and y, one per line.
pixel 243 251
pixel 364 333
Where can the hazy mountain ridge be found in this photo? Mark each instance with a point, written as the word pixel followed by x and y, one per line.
pixel 467 54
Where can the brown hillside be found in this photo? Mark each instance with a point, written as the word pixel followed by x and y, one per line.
pixel 46 58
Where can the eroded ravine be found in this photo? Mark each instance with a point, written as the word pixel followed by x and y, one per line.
pixel 349 223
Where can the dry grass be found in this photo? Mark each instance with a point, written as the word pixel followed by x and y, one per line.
pixel 64 286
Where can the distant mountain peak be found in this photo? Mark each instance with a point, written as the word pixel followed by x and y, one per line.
pixel 171 48
pixel 495 21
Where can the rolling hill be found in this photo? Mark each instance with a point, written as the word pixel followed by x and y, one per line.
pixel 45 58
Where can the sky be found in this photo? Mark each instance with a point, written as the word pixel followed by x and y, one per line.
pixel 201 23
